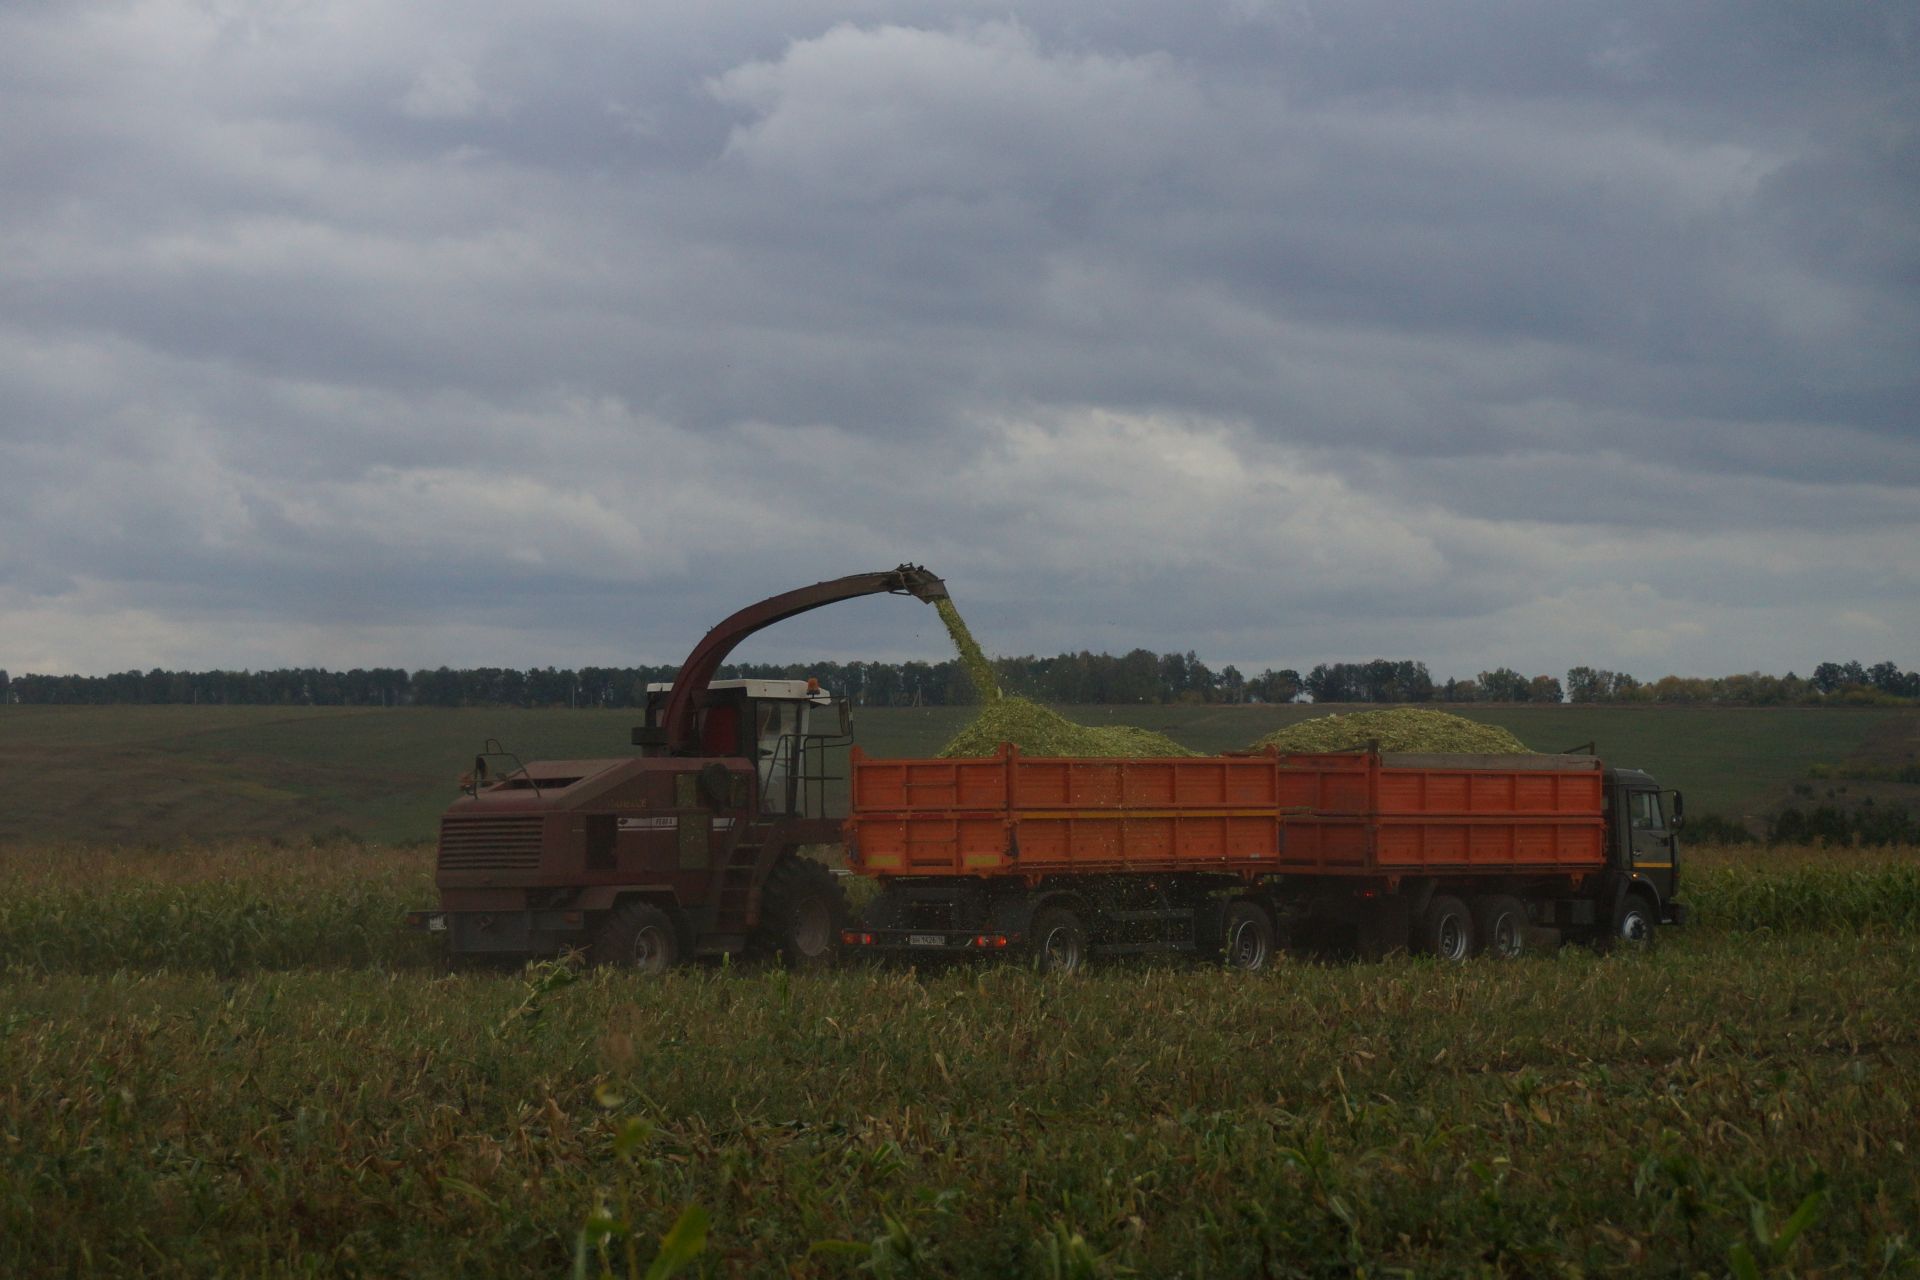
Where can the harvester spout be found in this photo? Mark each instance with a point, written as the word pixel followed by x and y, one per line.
pixel 920 584
pixel 677 721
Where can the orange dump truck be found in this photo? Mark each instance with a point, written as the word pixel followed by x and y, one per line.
pixel 1230 856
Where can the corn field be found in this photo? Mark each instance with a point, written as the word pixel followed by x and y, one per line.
pixel 230 1060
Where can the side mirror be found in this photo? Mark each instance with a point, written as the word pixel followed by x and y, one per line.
pixel 1679 810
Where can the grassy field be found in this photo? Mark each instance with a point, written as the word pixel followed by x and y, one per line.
pixel 226 1060
pixel 162 774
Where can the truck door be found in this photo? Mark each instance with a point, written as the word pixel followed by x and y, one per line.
pixel 1650 835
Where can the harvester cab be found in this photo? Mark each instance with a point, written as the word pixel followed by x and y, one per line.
pixel 788 728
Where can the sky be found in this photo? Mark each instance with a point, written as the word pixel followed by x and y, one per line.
pixel 1483 334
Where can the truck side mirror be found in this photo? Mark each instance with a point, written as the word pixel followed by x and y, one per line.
pixel 1679 810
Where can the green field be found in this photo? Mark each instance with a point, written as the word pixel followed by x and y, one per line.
pixel 226 1061
pixel 156 775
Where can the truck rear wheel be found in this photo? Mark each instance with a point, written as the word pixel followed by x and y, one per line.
pixel 802 910
pixel 638 936
pixel 1248 942
pixel 1445 930
pixel 1059 941
pixel 1501 923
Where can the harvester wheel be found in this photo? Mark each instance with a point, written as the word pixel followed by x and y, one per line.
pixel 1248 937
pixel 1500 922
pixel 639 936
pixel 1059 941
pixel 802 911
pixel 1445 931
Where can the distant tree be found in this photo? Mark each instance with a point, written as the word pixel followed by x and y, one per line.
pixel 1584 684
pixel 1502 684
pixel 1276 686
pixel 1543 689
pixel 1333 683
pixel 1884 676
pixel 1828 677
pixel 5 697
pixel 1137 678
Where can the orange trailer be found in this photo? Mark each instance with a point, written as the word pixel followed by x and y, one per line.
pixel 1153 853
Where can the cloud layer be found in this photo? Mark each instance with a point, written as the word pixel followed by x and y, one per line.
pixel 1480 333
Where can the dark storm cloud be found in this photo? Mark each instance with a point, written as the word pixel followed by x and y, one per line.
pixel 1280 331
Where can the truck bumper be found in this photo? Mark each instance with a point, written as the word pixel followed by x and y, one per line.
pixel 926 942
pixel 1677 913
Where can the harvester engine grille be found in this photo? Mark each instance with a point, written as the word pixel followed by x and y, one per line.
pixel 491 843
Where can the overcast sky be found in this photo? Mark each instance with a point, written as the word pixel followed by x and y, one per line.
pixel 480 333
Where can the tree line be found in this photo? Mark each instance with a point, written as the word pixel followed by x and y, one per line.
pixel 1069 678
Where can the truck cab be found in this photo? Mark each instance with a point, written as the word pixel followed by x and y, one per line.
pixel 1643 823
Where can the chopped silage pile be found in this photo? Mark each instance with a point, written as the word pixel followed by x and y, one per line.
pixel 1401 729
pixel 1040 732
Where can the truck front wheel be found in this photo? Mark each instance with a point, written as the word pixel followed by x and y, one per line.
pixel 638 936
pixel 802 910
pixel 1633 923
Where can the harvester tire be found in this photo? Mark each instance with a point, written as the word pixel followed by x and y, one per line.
pixel 802 911
pixel 1445 930
pixel 638 936
pixel 1500 926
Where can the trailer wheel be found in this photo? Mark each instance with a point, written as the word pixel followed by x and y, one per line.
pixel 1059 941
pixel 1501 923
pixel 1445 930
pixel 638 936
pixel 802 910
pixel 1248 937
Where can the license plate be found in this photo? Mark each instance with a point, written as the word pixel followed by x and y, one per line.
pixel 926 939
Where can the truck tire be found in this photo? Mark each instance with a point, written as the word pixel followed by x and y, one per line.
pixel 802 910
pixel 638 936
pixel 1248 937
pixel 1059 941
pixel 1445 931
pixel 1500 924
pixel 1633 927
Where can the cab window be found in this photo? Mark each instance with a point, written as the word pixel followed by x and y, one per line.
pixel 1644 807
